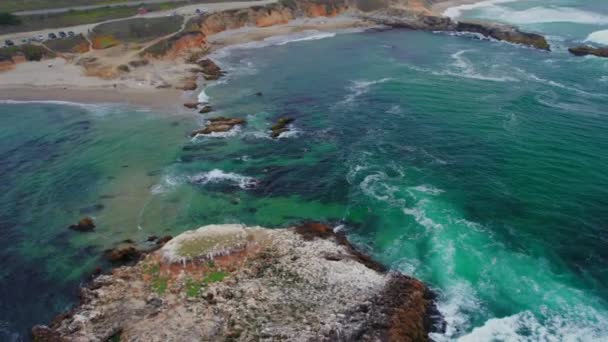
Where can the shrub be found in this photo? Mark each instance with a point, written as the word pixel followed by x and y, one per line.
pixel 9 19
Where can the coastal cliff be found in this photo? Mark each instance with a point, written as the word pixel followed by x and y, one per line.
pixel 230 282
pixel 415 14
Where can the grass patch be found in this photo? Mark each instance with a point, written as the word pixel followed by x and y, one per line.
pixel 159 284
pixel 104 42
pixel 76 44
pixel 214 277
pixel 138 30
pixel 193 287
pixel 31 52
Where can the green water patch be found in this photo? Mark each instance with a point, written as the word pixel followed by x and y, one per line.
pixel 60 163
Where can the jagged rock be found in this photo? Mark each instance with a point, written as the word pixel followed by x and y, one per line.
pixel 402 18
pixel 163 240
pixel 210 70
pixel 206 109
pixel 42 333
pixel 218 125
pixel 585 50
pixel 84 225
pixel 188 86
pixel 506 33
pixel 232 282
pixel 124 252
pixel 280 127
pixel 192 105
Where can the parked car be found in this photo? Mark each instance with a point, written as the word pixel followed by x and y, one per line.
pixel 40 38
pixel 25 41
pixel 52 36
pixel 71 34
pixel 62 34
pixel 9 42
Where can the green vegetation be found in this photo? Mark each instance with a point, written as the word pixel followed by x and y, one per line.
pixel 159 283
pixel 28 5
pixel 74 44
pixel 214 277
pixel 138 30
pixel 193 287
pixel 73 18
pixel 31 52
pixel 210 245
pixel 9 19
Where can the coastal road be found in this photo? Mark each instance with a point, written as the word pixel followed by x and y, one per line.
pixel 90 7
pixel 185 11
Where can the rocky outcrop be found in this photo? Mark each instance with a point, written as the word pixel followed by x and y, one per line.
pixel 401 18
pixel 230 282
pixel 210 70
pixel 192 105
pixel 219 125
pixel 84 225
pixel 505 33
pixel 280 127
pixel 586 50
pixel 206 109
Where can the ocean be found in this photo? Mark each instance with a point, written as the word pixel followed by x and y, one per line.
pixel 477 166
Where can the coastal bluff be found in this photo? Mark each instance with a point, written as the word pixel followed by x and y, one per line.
pixel 236 283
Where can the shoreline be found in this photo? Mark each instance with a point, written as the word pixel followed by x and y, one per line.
pixel 440 7
pixel 159 99
pixel 59 79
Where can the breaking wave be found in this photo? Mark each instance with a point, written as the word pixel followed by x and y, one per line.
pixel 600 37
pixel 217 176
pixel 358 88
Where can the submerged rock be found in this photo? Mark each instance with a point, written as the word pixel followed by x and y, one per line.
pixel 206 109
pixel 218 125
pixel 585 50
pixel 84 225
pixel 124 252
pixel 280 127
pixel 230 282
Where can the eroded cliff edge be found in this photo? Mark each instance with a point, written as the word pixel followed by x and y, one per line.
pixel 233 283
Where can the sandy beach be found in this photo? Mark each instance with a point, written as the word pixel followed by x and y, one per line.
pixel 62 79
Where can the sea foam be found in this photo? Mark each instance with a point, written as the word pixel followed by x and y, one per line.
pixel 217 176
pixel 600 37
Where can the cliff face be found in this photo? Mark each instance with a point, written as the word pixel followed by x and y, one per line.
pixel 234 283
pixel 412 14
pixel 198 29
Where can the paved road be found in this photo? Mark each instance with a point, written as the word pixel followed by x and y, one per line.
pixel 90 7
pixel 186 11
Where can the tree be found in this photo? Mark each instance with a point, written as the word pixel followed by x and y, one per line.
pixel 9 19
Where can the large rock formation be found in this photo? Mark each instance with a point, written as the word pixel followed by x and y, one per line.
pixel 229 282
pixel 411 14
pixel 219 125
pixel 585 50
pixel 400 18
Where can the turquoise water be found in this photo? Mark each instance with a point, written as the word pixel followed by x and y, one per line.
pixel 479 167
